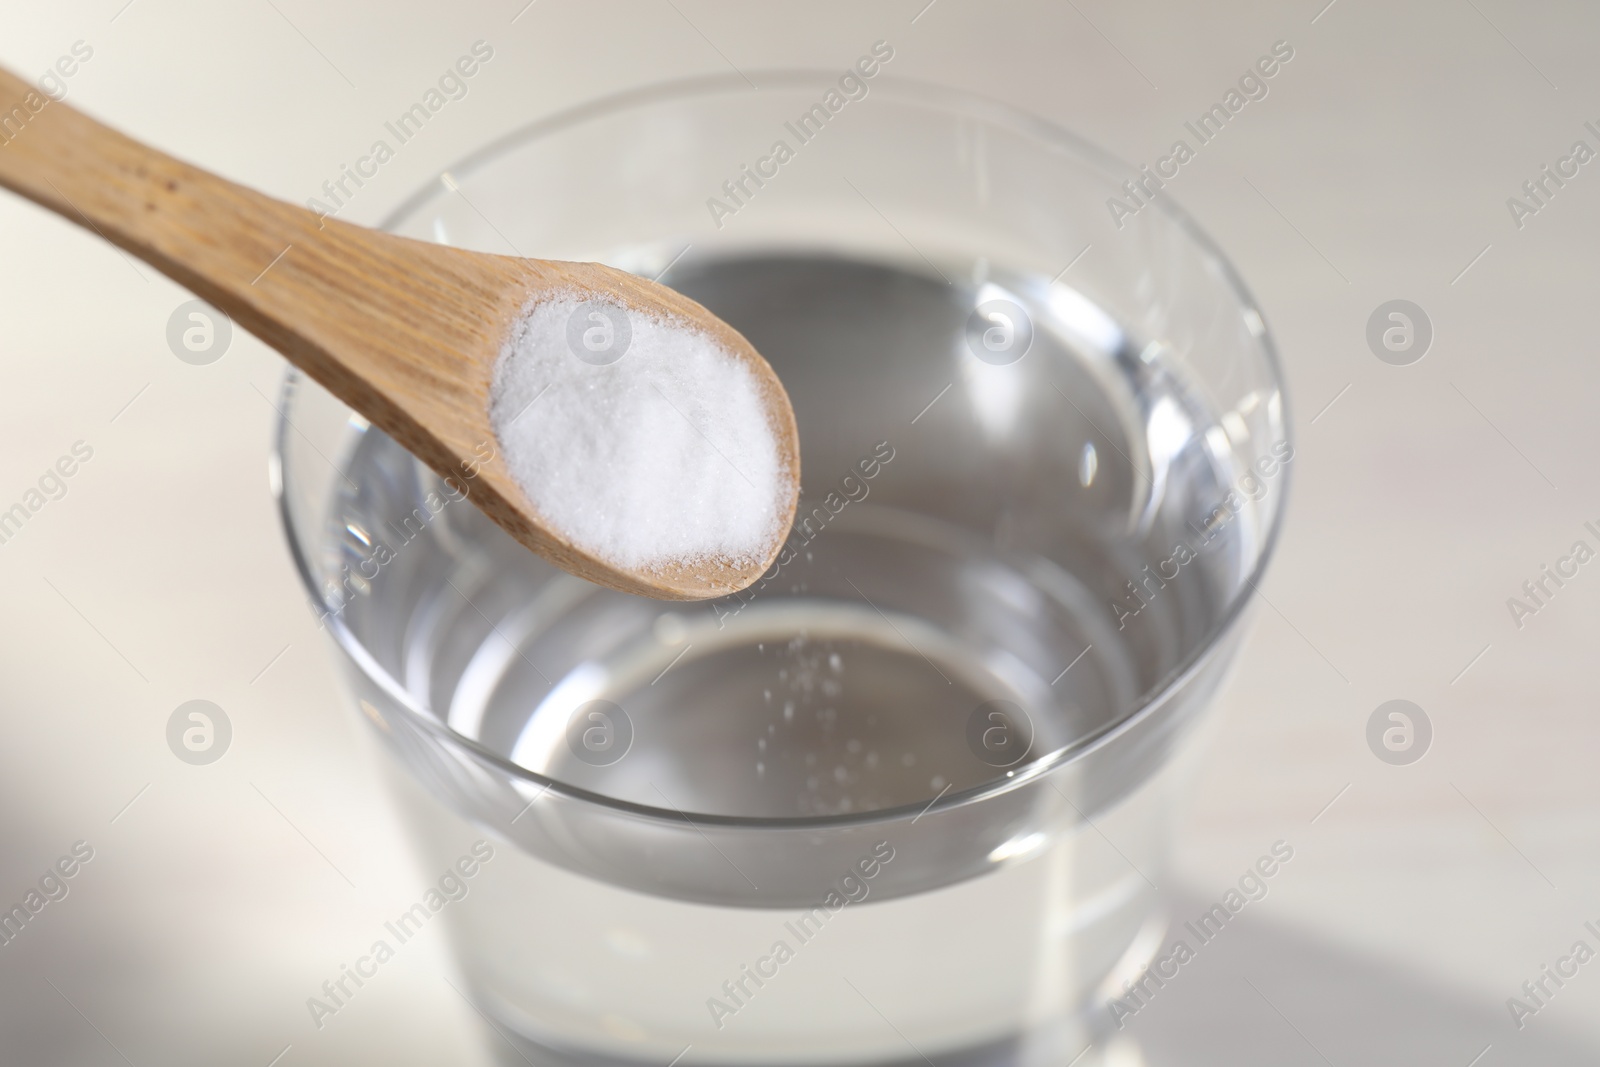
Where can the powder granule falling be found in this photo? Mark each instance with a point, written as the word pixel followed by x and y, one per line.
pixel 638 438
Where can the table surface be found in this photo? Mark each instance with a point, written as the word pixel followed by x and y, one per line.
pixel 1378 167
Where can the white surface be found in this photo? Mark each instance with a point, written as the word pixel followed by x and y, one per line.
pixel 1377 168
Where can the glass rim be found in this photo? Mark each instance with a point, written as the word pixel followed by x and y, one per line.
pixel 951 101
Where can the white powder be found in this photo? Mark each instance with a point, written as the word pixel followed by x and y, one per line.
pixel 638 439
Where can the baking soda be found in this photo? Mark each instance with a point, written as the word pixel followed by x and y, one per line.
pixel 638 438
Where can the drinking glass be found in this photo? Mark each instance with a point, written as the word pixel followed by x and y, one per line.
pixel 907 798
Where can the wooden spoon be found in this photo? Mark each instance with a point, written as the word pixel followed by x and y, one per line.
pixel 406 333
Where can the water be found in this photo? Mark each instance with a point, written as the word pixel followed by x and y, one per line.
pixel 967 537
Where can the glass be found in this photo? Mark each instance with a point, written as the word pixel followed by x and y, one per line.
pixel 908 797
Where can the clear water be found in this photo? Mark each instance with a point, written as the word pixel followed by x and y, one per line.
pixel 988 557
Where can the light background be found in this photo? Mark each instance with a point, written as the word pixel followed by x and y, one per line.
pixel 1377 168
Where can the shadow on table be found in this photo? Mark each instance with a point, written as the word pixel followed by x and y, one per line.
pixel 1268 995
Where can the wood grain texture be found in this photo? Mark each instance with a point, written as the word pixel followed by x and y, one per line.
pixel 405 332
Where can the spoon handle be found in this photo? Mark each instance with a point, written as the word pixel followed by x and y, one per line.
pixel 374 317
pixel 206 233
